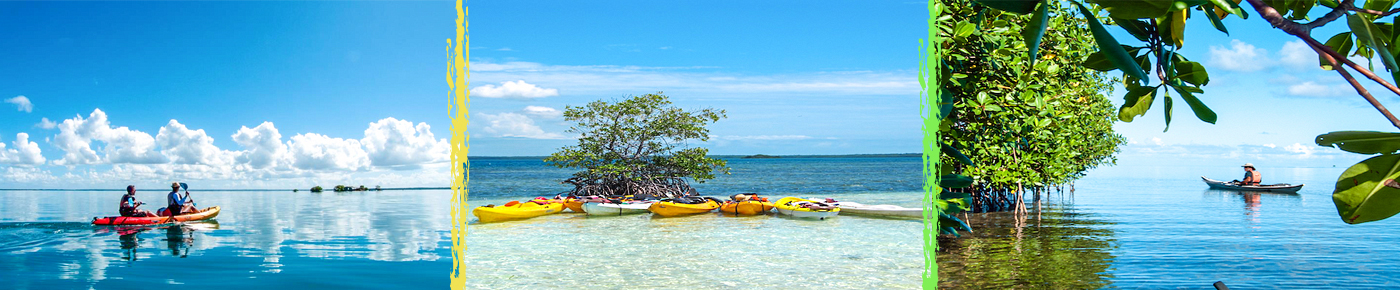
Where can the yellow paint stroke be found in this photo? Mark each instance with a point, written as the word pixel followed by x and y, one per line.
pixel 930 64
pixel 457 73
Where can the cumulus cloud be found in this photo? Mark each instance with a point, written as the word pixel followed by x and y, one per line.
pixel 543 112
pixel 1301 150
pixel 394 142
pixel 1240 56
pixel 122 145
pixel 21 103
pixel 23 151
pixel 263 147
pixel 513 89
pixel 515 125
pixel 610 79
pixel 1298 55
pixel 1313 89
pixel 184 146
pixel 313 151
pixel 46 124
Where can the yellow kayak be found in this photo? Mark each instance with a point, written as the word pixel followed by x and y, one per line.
pixel 672 208
pixel 748 207
pixel 515 211
pixel 804 208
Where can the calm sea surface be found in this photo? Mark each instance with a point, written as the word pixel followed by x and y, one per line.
pixel 1123 227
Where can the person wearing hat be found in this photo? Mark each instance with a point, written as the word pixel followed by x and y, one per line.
pixel 1251 176
pixel 129 204
pixel 175 204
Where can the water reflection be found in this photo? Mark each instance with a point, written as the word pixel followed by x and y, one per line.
pixel 1253 201
pixel 273 228
pixel 1052 246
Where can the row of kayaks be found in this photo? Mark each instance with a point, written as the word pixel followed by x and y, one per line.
pixel 737 205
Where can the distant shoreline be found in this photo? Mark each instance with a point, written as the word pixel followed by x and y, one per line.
pixel 876 155
pixel 766 157
pixel 162 190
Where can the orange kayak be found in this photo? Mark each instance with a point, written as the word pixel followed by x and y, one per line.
pixel 206 213
pixel 573 204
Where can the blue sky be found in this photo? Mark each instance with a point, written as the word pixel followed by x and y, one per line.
pixel 354 90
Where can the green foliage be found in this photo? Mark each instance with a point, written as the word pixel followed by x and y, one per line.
pixel 316 188
pixel 1361 142
pixel 638 139
pixel 1368 191
pixel 1039 123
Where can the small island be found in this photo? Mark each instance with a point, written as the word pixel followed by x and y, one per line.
pixel 760 156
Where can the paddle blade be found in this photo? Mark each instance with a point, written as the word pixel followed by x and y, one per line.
pixel 184 186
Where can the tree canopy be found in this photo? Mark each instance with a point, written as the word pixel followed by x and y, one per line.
pixel 1365 192
pixel 638 146
pixel 1023 119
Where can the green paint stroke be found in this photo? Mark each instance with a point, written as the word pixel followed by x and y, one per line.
pixel 929 67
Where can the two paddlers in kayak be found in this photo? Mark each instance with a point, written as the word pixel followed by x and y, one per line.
pixel 175 204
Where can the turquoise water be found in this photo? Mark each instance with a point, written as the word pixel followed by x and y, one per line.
pixel 401 239
pixel 1160 227
pixel 1124 227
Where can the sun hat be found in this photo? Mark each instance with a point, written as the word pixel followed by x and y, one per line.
pixel 1251 165
pixel 174 184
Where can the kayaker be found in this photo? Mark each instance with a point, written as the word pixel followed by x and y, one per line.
pixel 175 204
pixel 129 204
pixel 1251 176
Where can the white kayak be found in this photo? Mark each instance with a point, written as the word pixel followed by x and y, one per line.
pixel 883 210
pixel 597 208
pixel 1281 187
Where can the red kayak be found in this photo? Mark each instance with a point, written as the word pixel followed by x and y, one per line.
pixel 207 213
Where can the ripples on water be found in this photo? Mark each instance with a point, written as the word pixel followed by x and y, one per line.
pixel 1156 228
pixel 401 239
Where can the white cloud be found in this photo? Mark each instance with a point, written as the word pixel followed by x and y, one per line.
pixel 764 138
pixel 1313 89
pixel 543 112
pixel 262 146
pixel 123 145
pixel 1157 141
pixel 513 89
pixel 46 124
pixel 1271 145
pixel 179 152
pixel 22 103
pixel 611 80
pixel 1303 151
pixel 184 146
pixel 313 151
pixel 1297 54
pixel 515 125
pixel 1241 56
pixel 24 152
pixel 394 142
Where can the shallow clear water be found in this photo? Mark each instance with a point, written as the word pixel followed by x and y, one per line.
pixel 401 239
pixel 1124 227
pixel 1161 227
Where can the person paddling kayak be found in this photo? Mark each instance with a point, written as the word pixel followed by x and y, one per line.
pixel 129 204
pixel 175 204
pixel 1251 176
